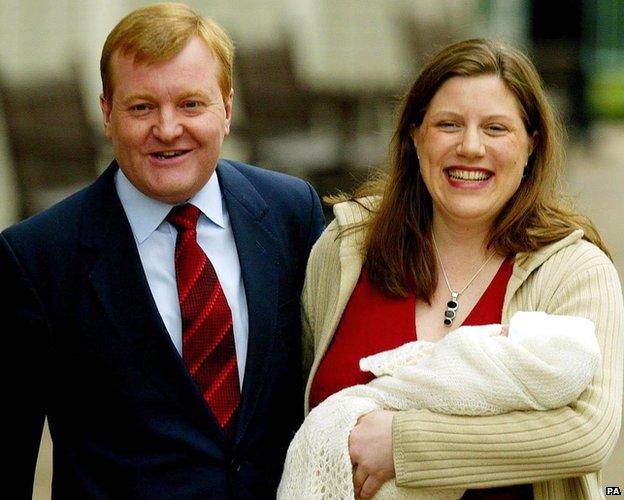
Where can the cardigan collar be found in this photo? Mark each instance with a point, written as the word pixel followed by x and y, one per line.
pixel 352 213
pixel 349 214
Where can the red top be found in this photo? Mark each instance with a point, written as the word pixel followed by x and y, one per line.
pixel 373 322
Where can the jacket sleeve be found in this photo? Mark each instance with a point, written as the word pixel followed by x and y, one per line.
pixel 25 374
pixel 316 219
pixel 435 450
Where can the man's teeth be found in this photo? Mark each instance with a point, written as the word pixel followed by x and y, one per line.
pixel 169 154
pixel 469 175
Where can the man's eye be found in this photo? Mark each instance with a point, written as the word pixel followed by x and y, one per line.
pixel 143 106
pixel 191 104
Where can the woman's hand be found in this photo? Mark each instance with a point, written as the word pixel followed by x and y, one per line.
pixel 370 448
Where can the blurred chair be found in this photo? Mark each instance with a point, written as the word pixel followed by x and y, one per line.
pixel 53 146
pixel 425 36
pixel 288 128
pixel 319 135
pixel 8 192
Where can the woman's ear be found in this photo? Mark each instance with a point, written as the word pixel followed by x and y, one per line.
pixel 533 142
pixel 413 131
pixel 413 134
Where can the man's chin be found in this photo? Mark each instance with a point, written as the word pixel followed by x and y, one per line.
pixel 175 187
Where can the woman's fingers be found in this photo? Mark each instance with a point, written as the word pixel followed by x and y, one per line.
pixel 359 478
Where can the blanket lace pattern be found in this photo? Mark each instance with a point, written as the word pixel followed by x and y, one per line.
pixel 545 362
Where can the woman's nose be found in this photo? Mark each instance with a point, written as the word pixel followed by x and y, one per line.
pixel 471 143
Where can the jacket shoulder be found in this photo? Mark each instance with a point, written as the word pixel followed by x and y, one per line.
pixel 50 227
pixel 542 276
pixel 269 180
pixel 570 255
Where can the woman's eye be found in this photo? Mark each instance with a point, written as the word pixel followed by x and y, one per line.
pixel 448 125
pixel 496 128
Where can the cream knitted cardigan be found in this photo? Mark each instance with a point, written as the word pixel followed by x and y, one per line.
pixel 545 362
pixel 560 451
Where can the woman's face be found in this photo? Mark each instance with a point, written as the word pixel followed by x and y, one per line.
pixel 472 147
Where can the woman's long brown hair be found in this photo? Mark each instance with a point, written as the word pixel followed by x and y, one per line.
pixel 398 246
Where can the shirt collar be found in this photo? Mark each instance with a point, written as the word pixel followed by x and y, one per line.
pixel 145 214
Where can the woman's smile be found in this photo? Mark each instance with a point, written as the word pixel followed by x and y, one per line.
pixel 468 177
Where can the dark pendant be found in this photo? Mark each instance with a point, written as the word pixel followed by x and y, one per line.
pixel 451 308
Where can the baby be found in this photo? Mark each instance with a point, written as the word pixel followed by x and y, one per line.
pixel 539 362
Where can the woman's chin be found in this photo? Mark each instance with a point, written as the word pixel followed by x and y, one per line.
pixel 471 214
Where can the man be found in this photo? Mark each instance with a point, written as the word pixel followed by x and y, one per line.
pixel 162 344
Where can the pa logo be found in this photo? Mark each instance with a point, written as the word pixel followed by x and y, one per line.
pixel 613 490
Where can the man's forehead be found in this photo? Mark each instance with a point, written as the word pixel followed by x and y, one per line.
pixel 136 56
pixel 130 76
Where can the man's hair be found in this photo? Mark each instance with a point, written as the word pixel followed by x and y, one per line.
pixel 159 32
pixel 398 246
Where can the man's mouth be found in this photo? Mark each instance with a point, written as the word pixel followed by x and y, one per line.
pixel 458 174
pixel 165 155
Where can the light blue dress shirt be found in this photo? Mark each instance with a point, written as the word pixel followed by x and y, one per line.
pixel 155 239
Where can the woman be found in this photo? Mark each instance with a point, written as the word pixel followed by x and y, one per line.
pixel 468 228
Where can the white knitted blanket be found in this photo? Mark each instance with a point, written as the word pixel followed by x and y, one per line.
pixel 545 362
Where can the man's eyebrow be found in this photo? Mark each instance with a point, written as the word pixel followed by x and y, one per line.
pixel 137 96
pixel 144 96
pixel 193 93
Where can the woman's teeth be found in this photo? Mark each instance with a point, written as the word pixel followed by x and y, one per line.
pixel 469 175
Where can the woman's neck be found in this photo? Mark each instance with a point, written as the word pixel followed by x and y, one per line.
pixel 455 240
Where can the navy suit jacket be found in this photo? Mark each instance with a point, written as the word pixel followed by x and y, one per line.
pixel 86 347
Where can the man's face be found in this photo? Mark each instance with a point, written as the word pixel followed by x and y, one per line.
pixel 167 121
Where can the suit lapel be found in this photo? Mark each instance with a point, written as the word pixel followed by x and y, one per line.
pixel 117 276
pixel 257 252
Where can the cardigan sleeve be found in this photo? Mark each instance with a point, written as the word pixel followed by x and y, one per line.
pixel 435 450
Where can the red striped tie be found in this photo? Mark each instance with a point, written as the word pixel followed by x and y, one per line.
pixel 207 335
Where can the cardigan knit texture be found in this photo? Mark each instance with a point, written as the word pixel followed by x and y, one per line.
pixel 560 451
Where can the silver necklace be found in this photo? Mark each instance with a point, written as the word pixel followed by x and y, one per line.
pixel 453 304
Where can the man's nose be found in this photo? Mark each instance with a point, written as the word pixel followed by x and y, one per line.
pixel 168 128
pixel 471 143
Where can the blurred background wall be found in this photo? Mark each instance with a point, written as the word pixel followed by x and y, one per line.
pixel 316 88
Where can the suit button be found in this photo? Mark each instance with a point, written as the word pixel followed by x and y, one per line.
pixel 235 465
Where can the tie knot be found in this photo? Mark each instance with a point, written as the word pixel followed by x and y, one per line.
pixel 184 217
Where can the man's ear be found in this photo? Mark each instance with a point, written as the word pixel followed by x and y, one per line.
pixel 106 108
pixel 228 104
